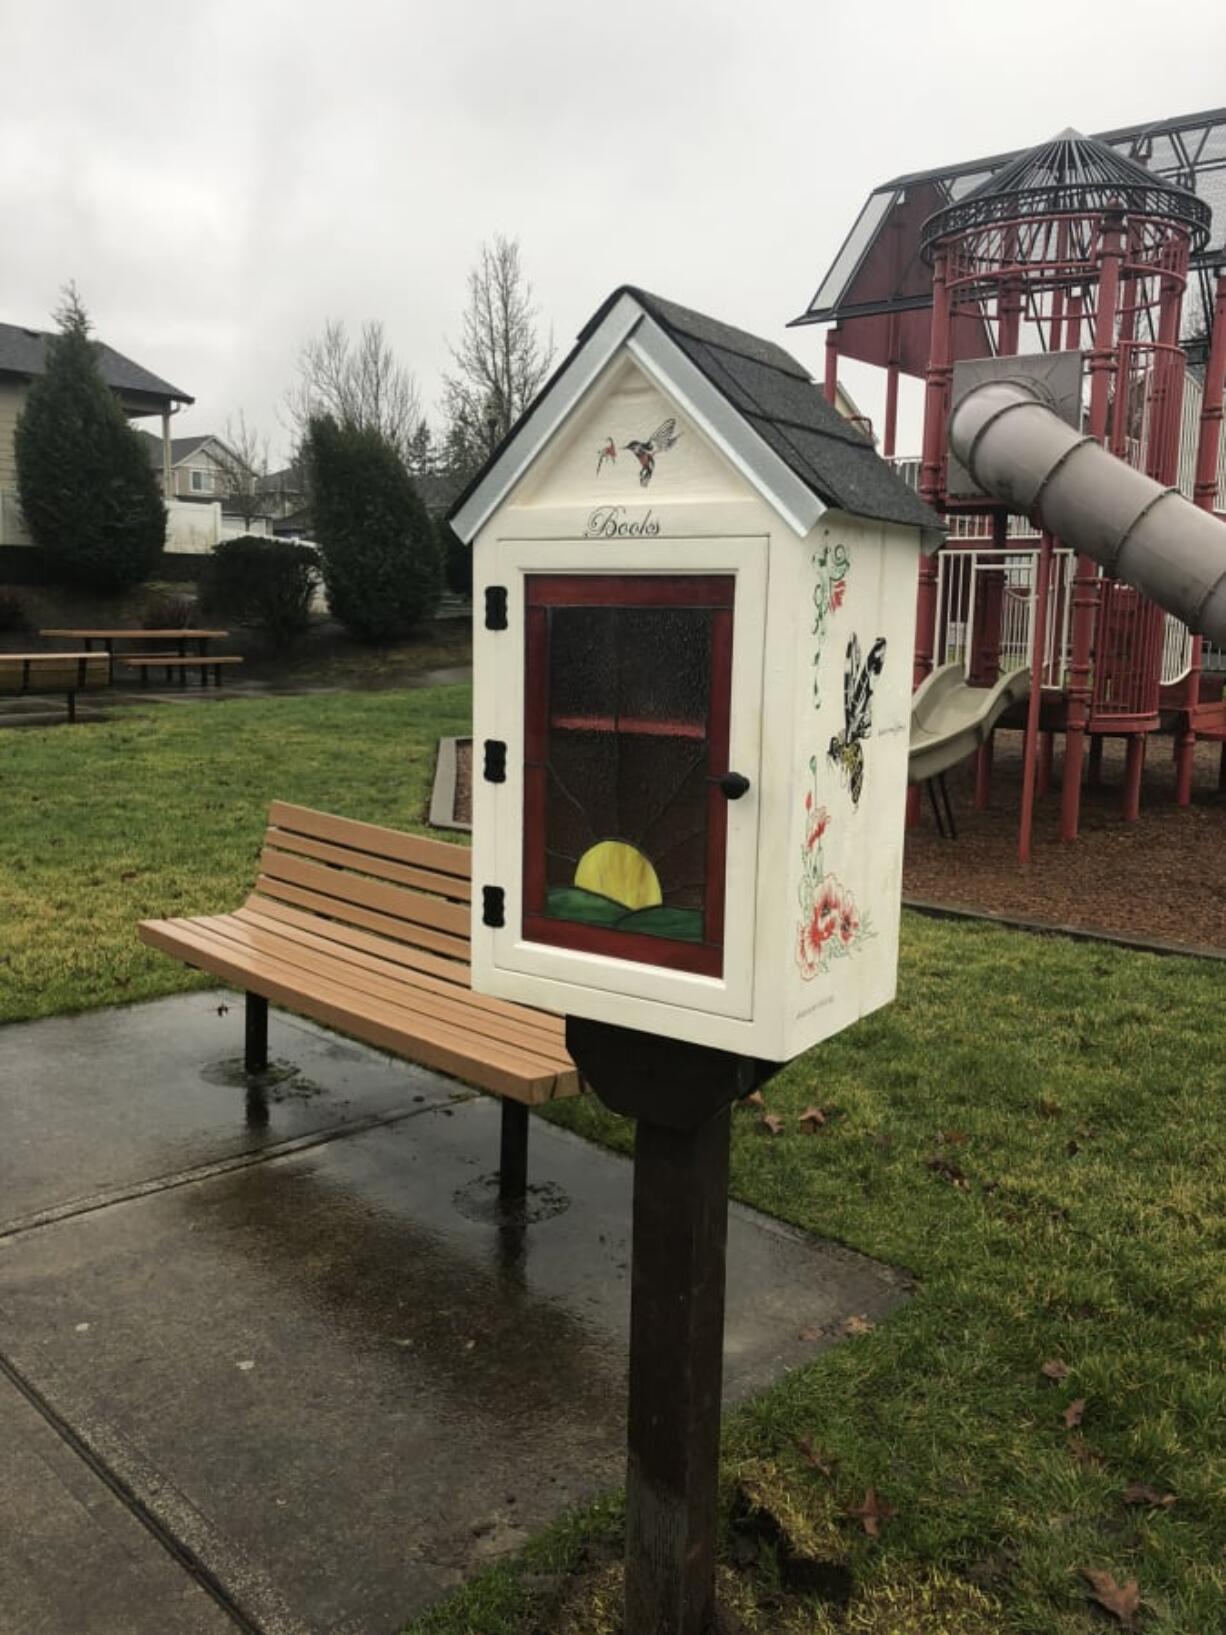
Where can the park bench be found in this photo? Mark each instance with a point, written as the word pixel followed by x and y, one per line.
pixel 366 930
pixel 171 662
pixel 68 673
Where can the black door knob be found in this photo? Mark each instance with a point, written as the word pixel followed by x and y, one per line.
pixel 734 785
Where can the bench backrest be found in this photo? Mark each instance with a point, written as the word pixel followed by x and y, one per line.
pixel 54 672
pixel 401 886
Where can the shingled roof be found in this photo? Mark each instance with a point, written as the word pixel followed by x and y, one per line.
pixel 773 394
pixel 24 352
pixel 778 397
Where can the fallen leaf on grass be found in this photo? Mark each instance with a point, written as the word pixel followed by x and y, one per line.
pixel 872 1512
pixel 952 1138
pixel 948 1171
pixel 1121 1601
pixel 1055 1369
pixel 858 1325
pixel 771 1122
pixel 754 1099
pixel 1143 1493
pixel 1075 1412
pixel 812 1457
pixel 812 1118
pixel 1083 1452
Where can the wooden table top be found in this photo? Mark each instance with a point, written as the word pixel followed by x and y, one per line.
pixel 153 635
pixel 47 658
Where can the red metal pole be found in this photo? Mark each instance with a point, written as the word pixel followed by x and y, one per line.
pixel 1025 842
pixel 831 385
pixel 1204 493
pixel 1085 586
pixel 931 487
pixel 891 410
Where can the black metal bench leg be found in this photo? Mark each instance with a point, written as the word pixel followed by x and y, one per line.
pixel 255 1052
pixel 513 1158
pixel 72 706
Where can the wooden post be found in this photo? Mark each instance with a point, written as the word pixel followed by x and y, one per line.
pixel 676 1374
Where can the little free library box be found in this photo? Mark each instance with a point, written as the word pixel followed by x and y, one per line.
pixel 694 586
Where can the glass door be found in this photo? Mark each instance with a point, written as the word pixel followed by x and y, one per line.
pixel 627 706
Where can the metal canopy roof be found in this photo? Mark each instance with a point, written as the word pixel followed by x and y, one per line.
pixel 1069 175
pixel 878 288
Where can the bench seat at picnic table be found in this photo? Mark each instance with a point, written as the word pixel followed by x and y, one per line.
pixel 67 673
pixel 366 929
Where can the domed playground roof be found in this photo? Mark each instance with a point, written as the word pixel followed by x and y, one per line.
pixel 1070 175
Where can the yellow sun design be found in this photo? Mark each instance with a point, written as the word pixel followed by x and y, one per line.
pixel 619 871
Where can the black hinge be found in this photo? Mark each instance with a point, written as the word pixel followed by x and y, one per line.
pixel 495 607
pixel 495 761
pixel 492 906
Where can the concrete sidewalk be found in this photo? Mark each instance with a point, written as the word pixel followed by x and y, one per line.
pixel 301 1377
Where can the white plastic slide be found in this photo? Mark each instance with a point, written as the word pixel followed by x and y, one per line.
pixel 1019 451
pixel 950 718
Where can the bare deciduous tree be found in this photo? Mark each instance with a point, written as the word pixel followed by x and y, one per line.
pixel 359 383
pixel 241 458
pixel 501 359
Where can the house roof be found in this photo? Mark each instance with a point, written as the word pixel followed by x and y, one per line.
pixel 24 352
pixel 778 411
pixel 180 447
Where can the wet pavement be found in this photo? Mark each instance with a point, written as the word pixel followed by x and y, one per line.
pixel 300 1376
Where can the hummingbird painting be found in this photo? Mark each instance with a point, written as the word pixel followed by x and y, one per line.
pixel 646 453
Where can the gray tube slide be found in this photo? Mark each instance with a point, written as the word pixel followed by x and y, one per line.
pixel 1022 453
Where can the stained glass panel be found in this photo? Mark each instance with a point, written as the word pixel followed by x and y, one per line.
pixel 628 713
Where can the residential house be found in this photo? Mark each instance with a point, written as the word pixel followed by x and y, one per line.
pixel 204 470
pixel 23 357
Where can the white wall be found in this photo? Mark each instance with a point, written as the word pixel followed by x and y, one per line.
pixel 195 527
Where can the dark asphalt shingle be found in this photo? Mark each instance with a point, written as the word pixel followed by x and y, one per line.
pixel 24 352
pixel 778 397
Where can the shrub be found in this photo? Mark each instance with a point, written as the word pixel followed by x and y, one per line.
pixel 13 616
pixel 267 583
pixel 169 613
pixel 457 560
pixel 89 493
pixel 379 550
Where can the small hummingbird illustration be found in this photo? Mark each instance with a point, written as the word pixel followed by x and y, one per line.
pixel 660 441
pixel 608 452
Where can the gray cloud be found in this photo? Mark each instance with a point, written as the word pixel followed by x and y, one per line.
pixel 221 177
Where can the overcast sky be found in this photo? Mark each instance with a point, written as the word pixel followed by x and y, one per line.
pixel 221 177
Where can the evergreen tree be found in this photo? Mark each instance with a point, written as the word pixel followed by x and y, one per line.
pixel 379 548
pixel 91 498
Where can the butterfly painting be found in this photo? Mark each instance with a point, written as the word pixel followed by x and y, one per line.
pixel 847 748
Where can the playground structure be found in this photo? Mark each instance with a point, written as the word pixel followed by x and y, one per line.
pixel 1103 255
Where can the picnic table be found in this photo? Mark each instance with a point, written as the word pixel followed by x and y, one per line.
pixel 108 638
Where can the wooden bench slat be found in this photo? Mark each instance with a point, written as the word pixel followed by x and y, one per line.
pixel 191 661
pixel 386 963
pixel 454 969
pixel 517 1074
pixel 433 1006
pixel 440 855
pixel 402 874
pixel 392 901
pixel 353 914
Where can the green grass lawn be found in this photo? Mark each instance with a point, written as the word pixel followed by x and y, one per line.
pixel 1036 1130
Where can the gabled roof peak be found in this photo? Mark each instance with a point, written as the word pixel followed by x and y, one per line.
pixel 758 402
